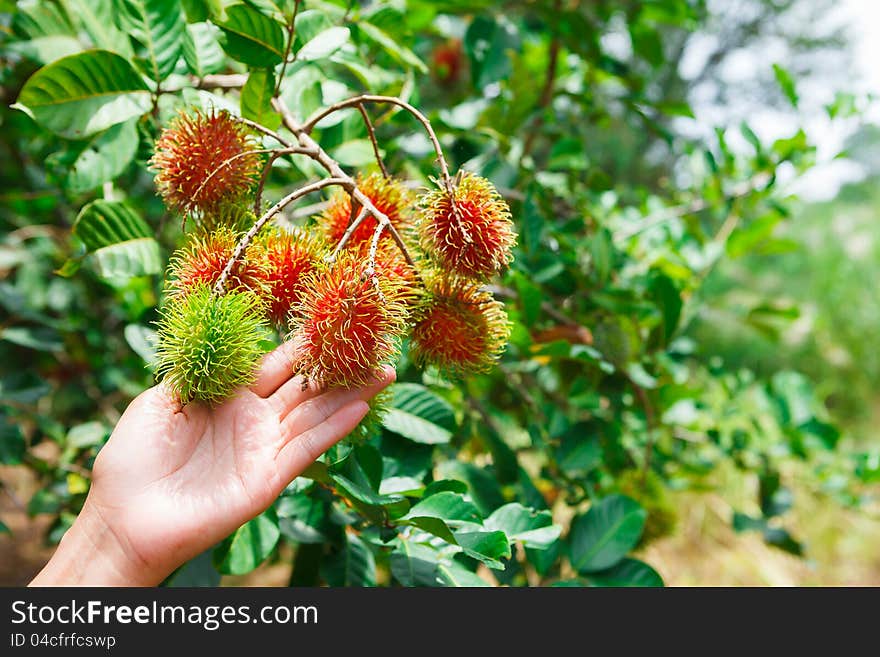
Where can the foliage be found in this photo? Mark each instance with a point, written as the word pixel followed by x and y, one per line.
pixel 519 476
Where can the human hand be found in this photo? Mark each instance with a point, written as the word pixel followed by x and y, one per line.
pixel 172 481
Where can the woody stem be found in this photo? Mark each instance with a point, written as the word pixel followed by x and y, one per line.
pixel 244 242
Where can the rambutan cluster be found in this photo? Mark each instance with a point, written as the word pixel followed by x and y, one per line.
pixel 345 296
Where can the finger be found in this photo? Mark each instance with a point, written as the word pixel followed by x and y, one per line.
pixel 302 416
pixel 275 370
pixel 291 394
pixel 303 449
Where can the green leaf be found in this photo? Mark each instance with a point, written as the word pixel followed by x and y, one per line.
pixel 143 341
pixel 140 257
pixel 419 414
pixel 46 49
pixel 44 501
pixel 103 158
pixel 197 572
pixel 786 83
pixel 414 565
pixel 628 572
pixel 324 44
pixel 482 485
pixel 97 19
pixel 452 574
pixel 530 298
pixel 87 434
pixel 251 37
pixel 249 545
pixel 41 338
pixel 256 99
pixel 447 506
pixel 85 93
pixel 118 240
pixel 23 387
pixel 605 533
pixel 12 445
pixel 159 26
pixel 434 526
pixel 401 54
pixel 201 49
pixel 668 300
pixel 352 565
pixel 486 547
pixel 4 529
pixel 355 153
pixel 535 529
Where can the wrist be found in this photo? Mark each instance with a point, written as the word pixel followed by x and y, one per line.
pixel 91 554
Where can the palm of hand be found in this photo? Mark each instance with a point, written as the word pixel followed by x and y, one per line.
pixel 173 481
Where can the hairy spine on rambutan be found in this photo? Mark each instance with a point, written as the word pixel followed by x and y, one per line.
pixel 461 328
pixel 204 160
pixel 208 344
pixel 347 324
pixel 202 258
pixel 390 196
pixel 468 230
pixel 290 257
pixel 371 424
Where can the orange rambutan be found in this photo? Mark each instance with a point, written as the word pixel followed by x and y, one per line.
pixel 390 196
pixel 201 260
pixel 289 256
pixel 204 160
pixel 347 323
pixel 468 230
pixel 461 329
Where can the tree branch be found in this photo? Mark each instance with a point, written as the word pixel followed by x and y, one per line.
pixel 245 241
pixel 333 168
pixel 313 120
pixel 372 134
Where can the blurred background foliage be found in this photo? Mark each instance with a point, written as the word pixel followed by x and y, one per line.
pixel 692 356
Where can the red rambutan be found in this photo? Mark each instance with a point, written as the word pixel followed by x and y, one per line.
pixel 347 323
pixel 462 329
pixel 447 61
pixel 390 197
pixel 468 231
pixel 289 256
pixel 201 260
pixel 204 160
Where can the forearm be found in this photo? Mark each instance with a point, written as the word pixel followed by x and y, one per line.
pixel 90 554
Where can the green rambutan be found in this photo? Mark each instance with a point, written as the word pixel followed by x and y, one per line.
pixel 390 196
pixel 371 424
pixel 289 257
pixel 209 345
pixel 204 160
pixel 201 260
pixel 347 323
pixel 461 328
pixel 468 231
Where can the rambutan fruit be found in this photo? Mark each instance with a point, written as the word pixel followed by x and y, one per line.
pixel 289 257
pixel 204 160
pixel 209 345
pixel 347 323
pixel 390 196
pixel 447 61
pixel 467 230
pixel 392 266
pixel 201 260
pixel 461 328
